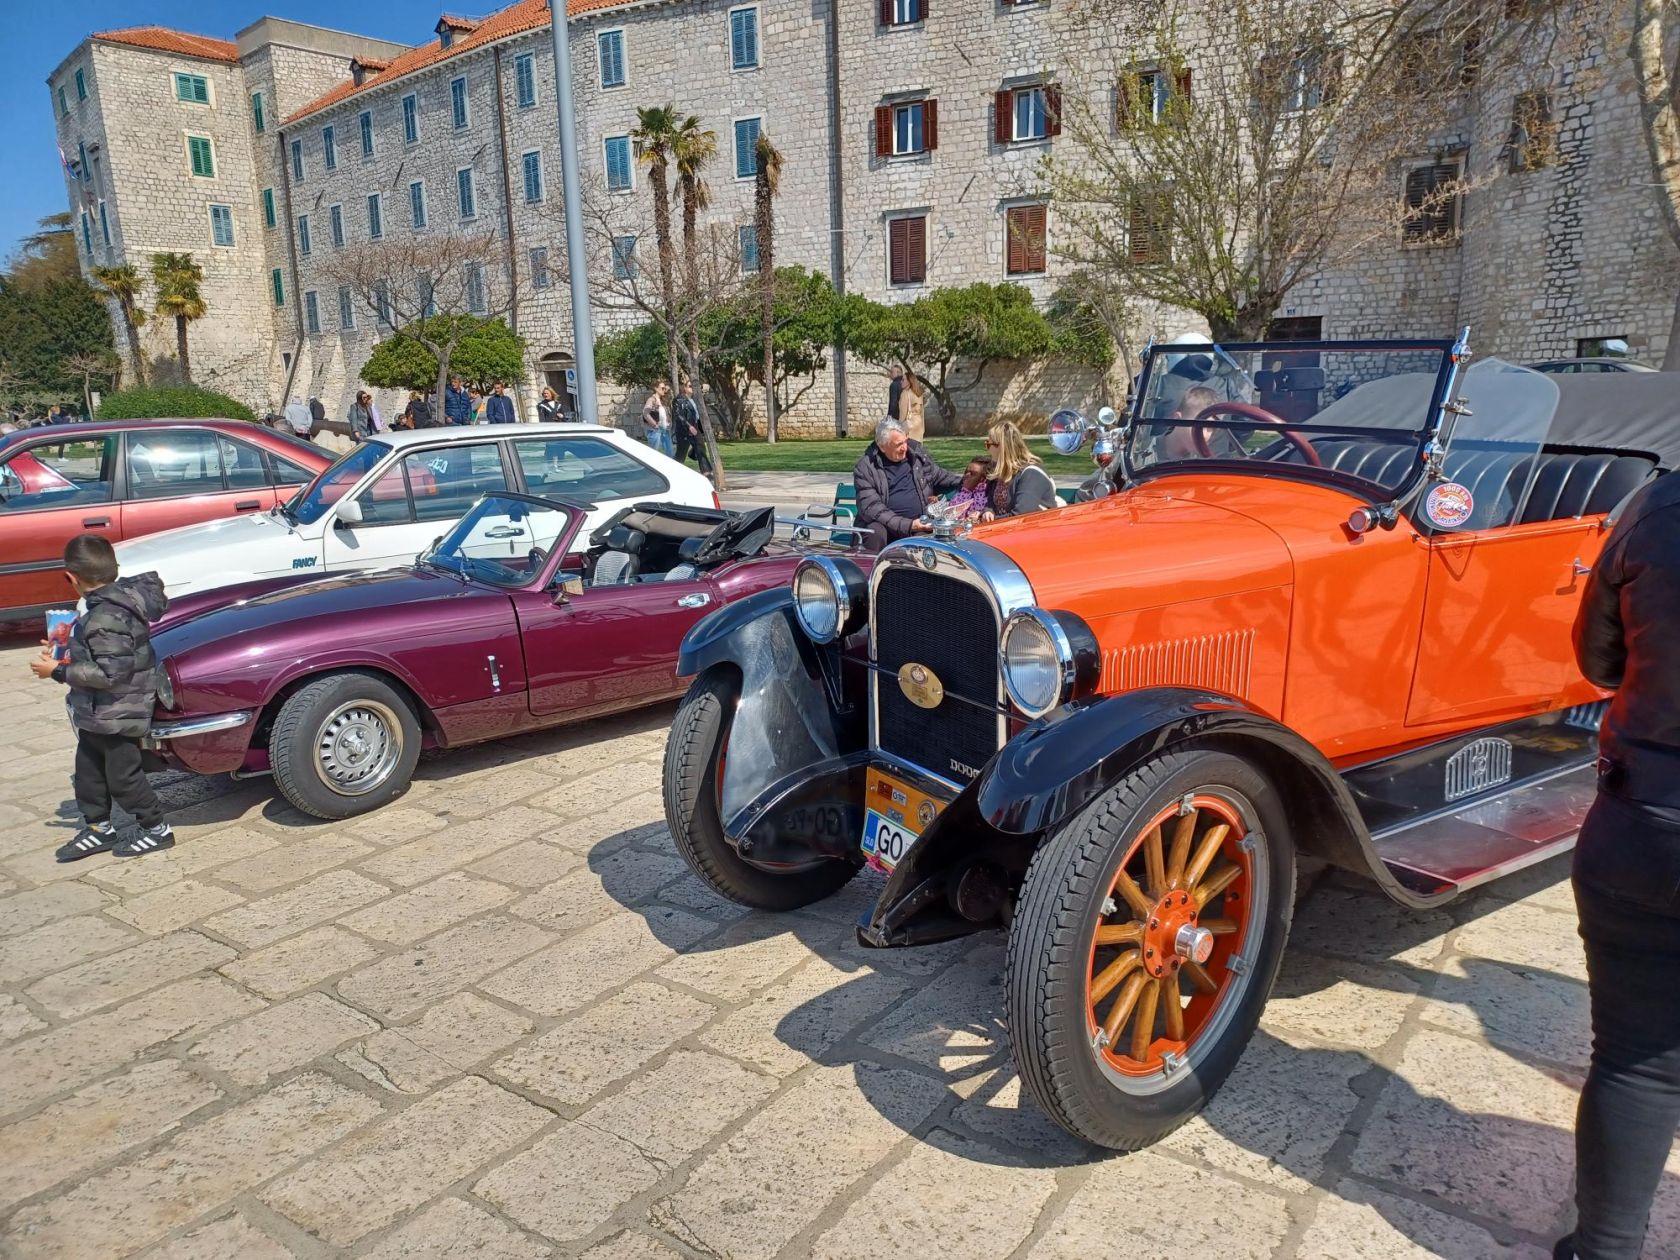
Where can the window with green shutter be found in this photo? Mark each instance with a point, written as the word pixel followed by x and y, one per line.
pixel 81 86
pixel 63 105
pixel 192 88
pixel 203 160
pixel 257 117
pixel 268 207
pixel 279 283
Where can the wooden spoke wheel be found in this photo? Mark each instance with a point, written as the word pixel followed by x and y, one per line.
pixel 1162 954
pixel 1148 931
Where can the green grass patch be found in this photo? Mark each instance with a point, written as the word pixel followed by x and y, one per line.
pixel 838 456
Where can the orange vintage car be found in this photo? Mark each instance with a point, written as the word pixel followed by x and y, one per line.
pixel 1324 615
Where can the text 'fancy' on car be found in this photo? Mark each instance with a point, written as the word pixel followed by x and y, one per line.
pixel 520 617
pixel 127 480
pixel 1324 615
pixel 389 498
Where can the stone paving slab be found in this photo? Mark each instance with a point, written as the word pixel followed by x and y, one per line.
pixel 500 1019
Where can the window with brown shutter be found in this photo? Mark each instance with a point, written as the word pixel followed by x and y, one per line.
pixel 883 131
pixel 1149 226
pixel 1533 140
pixel 911 127
pixel 907 250
pixel 1432 200
pixel 1024 226
pixel 901 12
pixel 1003 117
pixel 1053 109
pixel 930 122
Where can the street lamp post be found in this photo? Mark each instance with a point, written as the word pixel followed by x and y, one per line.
pixel 583 330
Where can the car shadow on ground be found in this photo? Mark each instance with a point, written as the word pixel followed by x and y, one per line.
pixel 1313 1102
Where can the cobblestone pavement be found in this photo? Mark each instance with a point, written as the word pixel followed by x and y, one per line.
pixel 499 1019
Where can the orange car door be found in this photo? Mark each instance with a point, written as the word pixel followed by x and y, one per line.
pixel 1497 617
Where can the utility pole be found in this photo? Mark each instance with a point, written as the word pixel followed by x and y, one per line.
pixel 583 330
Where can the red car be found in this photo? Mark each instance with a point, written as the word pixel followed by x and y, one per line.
pixel 125 479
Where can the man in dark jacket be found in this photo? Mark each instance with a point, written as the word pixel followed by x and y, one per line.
pixel 896 479
pixel 498 408
pixel 685 420
pixel 113 674
pixel 895 391
pixel 457 403
pixel 1627 879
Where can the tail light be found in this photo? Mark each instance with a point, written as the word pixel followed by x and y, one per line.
pixel 717 502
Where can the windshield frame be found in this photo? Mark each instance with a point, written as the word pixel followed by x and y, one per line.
pixel 577 514
pixel 288 509
pixel 1454 353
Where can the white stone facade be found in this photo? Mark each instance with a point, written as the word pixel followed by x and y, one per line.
pixel 1544 258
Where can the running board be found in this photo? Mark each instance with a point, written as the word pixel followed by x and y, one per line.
pixel 1491 837
pixel 1457 814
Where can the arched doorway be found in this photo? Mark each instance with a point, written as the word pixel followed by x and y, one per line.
pixel 554 366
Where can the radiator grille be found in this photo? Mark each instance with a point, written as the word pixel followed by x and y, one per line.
pixel 950 627
pixel 1219 662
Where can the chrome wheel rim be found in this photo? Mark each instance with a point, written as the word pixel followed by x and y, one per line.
pixel 357 747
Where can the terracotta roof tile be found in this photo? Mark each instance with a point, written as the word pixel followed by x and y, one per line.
pixel 162 39
pixel 516 19
pixel 456 23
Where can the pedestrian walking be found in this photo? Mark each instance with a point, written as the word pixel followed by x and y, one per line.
pixel 549 410
pixel 498 408
pixel 114 676
pixel 894 390
pixel 910 408
pixel 1627 880
pixel 688 433
pixel 656 418
pixel 457 403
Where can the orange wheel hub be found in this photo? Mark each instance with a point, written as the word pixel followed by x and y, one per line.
pixel 1163 952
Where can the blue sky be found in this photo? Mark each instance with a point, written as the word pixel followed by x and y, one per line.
pixel 39 38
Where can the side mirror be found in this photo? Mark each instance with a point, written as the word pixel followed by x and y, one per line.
pixel 349 513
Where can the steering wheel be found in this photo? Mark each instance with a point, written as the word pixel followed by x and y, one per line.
pixel 1202 434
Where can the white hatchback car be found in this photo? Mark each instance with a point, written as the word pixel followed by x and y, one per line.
pixel 386 500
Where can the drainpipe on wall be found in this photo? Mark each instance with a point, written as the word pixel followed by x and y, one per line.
pixel 507 211
pixel 836 211
pixel 291 253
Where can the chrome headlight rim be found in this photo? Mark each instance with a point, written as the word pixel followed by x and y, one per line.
pixel 847 597
pixel 1073 647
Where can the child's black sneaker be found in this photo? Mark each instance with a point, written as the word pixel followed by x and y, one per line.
pixel 147 840
pixel 99 838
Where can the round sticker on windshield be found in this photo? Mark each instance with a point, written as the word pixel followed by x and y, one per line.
pixel 1449 505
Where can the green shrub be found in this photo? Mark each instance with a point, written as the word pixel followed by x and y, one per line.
pixel 164 402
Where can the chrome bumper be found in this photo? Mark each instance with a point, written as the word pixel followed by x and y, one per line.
pixel 199 726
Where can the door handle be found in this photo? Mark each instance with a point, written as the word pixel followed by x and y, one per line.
pixel 1581 570
pixel 697 600
pixel 247 505
pixel 96 522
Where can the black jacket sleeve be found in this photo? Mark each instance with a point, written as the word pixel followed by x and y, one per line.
pixel 1600 637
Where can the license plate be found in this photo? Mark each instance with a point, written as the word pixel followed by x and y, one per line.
pixel 896 814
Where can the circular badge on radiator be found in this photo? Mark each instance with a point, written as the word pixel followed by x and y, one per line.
pixel 921 686
pixel 1449 505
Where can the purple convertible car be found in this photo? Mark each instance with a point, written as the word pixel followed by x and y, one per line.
pixel 506 625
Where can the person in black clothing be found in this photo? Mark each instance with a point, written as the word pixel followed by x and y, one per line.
pixel 418 413
pixel 113 673
pixel 1627 879
pixel 895 391
pixel 896 479
pixel 686 414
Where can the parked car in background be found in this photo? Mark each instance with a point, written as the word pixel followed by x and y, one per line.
pixel 515 621
pixel 390 498
pixel 1598 363
pixel 124 480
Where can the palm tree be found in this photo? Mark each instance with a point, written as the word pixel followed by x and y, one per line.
pixel 178 279
pixel 655 132
pixel 766 183
pixel 122 285
pixel 693 151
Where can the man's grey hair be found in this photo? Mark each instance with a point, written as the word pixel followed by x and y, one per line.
pixel 886 427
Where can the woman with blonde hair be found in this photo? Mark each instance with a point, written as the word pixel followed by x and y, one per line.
pixel 910 407
pixel 1018 484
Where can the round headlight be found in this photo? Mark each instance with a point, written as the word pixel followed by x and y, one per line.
pixel 1037 662
pixel 819 595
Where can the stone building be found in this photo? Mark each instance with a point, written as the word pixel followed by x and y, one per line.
pixel 911 137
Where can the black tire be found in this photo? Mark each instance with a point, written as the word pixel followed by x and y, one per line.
pixel 301 767
pixel 1063 1064
pixel 699 736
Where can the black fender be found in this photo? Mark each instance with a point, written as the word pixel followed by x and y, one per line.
pixel 1061 763
pixel 791 721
